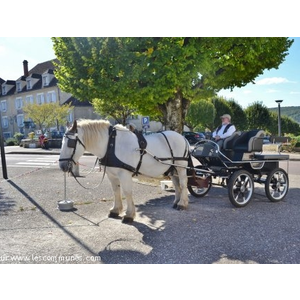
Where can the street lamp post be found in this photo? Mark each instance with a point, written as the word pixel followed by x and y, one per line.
pixel 279 116
pixel 3 160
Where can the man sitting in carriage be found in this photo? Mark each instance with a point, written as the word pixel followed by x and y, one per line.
pixel 225 130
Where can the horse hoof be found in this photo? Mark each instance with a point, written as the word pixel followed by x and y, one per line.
pixel 180 207
pixel 175 206
pixel 113 215
pixel 127 220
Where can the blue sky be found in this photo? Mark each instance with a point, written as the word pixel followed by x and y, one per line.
pixel 283 83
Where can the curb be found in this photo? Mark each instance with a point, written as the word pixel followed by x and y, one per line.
pixel 41 153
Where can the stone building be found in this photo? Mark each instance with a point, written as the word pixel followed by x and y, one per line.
pixel 37 85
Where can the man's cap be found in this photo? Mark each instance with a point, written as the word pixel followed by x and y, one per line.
pixel 226 116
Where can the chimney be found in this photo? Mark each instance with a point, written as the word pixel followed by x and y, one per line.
pixel 25 67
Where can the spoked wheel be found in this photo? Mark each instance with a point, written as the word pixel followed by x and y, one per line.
pixel 277 185
pixel 240 188
pixel 200 191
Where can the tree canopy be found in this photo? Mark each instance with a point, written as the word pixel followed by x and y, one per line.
pixel 259 116
pixel 162 76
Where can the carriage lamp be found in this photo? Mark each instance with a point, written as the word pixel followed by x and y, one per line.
pixel 65 205
pixel 279 116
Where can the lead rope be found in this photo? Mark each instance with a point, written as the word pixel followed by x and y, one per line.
pixel 97 160
pixel 89 188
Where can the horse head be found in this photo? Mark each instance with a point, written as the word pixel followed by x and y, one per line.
pixel 72 148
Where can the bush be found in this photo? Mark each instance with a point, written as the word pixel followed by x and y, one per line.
pixel 18 137
pixel 11 142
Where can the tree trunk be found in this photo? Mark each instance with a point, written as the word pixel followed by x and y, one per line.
pixel 174 112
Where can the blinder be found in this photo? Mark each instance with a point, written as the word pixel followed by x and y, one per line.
pixel 72 143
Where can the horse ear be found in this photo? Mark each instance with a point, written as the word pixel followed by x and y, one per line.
pixel 74 127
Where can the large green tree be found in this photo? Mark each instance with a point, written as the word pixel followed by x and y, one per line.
pixel 201 115
pixel 258 116
pixel 239 118
pixel 206 113
pixel 162 75
pixel 288 125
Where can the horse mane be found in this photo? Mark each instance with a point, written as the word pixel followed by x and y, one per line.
pixel 95 129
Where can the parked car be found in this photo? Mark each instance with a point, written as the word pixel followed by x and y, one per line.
pixel 193 137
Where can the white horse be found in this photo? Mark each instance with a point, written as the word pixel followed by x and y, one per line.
pixel 166 152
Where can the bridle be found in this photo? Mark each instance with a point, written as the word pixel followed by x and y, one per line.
pixel 72 143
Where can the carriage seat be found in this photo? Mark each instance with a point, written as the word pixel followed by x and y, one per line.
pixel 249 141
pixel 229 142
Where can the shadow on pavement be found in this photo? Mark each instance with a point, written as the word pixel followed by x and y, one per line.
pixel 51 218
pixel 6 204
pixel 210 231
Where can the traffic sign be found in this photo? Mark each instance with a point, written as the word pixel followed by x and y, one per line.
pixel 145 121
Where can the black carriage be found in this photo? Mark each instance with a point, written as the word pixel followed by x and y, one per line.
pixel 238 165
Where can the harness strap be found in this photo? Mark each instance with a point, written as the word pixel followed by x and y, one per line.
pixel 110 159
pixel 173 161
pixel 136 172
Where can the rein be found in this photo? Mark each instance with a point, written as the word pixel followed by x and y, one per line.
pixel 88 188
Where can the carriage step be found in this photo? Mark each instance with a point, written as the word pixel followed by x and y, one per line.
pixel 271 156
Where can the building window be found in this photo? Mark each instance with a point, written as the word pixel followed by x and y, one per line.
pixel 19 103
pixel 28 83
pixel 5 122
pixel 29 99
pixel 51 97
pixel 19 86
pixel 3 90
pixel 6 135
pixel 70 117
pixel 3 106
pixel 20 120
pixel 45 80
pixel 40 98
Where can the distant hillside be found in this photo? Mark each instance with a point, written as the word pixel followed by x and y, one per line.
pixel 290 111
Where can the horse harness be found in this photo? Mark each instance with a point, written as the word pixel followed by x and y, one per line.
pixel 110 159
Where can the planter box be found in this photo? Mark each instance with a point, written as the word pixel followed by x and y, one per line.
pixel 54 143
pixel 271 147
pixel 28 143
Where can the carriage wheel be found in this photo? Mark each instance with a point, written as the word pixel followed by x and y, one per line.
pixel 240 188
pixel 200 191
pixel 277 185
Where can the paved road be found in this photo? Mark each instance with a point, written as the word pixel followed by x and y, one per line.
pixel 31 161
pixel 33 230
pixel 42 160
